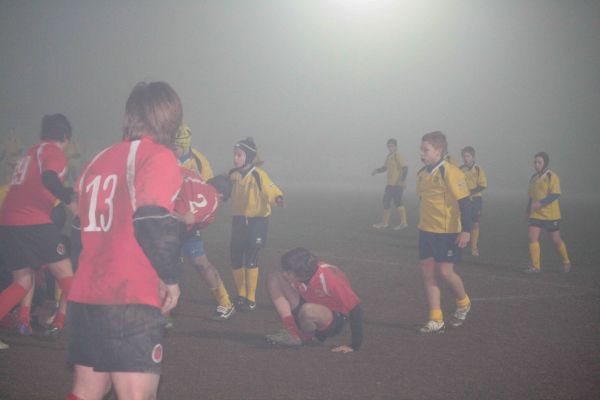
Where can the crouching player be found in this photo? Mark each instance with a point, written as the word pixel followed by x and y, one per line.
pixel 313 299
pixel 196 206
pixel 444 226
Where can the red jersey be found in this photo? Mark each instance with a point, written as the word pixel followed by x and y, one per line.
pixel 197 197
pixel 113 268
pixel 28 202
pixel 330 288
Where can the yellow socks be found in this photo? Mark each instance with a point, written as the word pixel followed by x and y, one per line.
pixel 562 249
pixel 402 212
pixel 251 283
pixel 436 315
pixel 239 276
pixel 534 252
pixel 463 303
pixel 221 295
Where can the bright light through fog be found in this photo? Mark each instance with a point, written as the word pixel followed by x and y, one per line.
pixel 358 8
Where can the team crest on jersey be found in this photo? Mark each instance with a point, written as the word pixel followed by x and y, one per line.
pixel 258 240
pixel 450 253
pixel 60 249
pixel 157 353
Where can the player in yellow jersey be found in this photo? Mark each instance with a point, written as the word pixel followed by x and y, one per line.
pixel 192 247
pixel 543 211
pixel 444 226
pixel 396 181
pixel 252 195
pixel 476 182
pixel 11 150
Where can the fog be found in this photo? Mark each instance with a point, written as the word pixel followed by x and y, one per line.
pixel 321 85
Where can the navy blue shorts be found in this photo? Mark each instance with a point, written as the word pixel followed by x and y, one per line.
pixel 547 225
pixel 115 338
pixel 193 247
pixel 334 329
pixel 31 246
pixel 441 246
pixel 476 207
pixel 392 193
pixel 248 235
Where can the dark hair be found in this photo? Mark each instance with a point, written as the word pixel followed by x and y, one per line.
pixel 55 127
pixel 222 184
pixel 153 109
pixel 437 139
pixel 248 147
pixel 468 149
pixel 544 156
pixel 392 141
pixel 301 262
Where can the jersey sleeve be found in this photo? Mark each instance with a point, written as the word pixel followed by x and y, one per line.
pixel 53 159
pixel 158 180
pixel 270 190
pixel 207 171
pixel 339 288
pixel 554 184
pixel 457 183
pixel 482 178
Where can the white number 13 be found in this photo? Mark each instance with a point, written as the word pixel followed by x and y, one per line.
pixel 108 193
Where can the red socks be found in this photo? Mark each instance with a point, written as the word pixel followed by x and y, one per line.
pixel 10 297
pixel 25 315
pixel 290 324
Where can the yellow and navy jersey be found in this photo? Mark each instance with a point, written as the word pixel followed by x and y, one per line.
pixel 394 163
pixel 540 186
pixel 451 160
pixel 439 190
pixel 252 193
pixel 476 178
pixel 197 162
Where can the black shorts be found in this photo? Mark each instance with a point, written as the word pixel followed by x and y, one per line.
pixel 334 329
pixel 476 207
pixel 31 246
pixel 115 338
pixel 248 235
pixel 548 225
pixel 441 246
pixel 392 193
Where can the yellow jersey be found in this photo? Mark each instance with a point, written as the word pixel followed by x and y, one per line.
pixel 475 177
pixel 540 186
pixel 439 191
pixel 394 163
pixel 197 162
pixel 3 191
pixel 253 193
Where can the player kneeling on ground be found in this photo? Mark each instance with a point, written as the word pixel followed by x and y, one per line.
pixel 314 300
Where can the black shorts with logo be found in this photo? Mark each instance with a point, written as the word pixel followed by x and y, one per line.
pixel 334 329
pixel 548 225
pixel 31 246
pixel 248 235
pixel 115 338
pixel 441 246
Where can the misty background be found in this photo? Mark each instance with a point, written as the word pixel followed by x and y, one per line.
pixel 321 85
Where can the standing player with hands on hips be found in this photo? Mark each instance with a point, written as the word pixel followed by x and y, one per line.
pixel 129 266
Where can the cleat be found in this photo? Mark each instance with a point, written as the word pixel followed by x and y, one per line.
pixel 284 338
pixel 400 227
pixel 380 225
pixel 243 304
pixel 24 329
pixel 531 270
pixel 459 316
pixel 222 313
pixel 433 327
pixel 3 346
pixel 475 252
pixel 251 305
pixel 52 333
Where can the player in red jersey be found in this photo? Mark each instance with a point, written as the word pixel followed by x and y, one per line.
pixel 28 238
pixel 196 206
pixel 313 298
pixel 129 265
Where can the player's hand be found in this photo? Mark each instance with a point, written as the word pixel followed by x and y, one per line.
pixel 342 349
pixel 374 172
pixel 279 201
pixel 536 206
pixel 188 218
pixel 170 296
pixel 463 239
pixel 73 207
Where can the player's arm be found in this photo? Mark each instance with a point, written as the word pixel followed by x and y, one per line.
pixel 52 183
pixel 157 233
pixel 379 170
pixel 273 193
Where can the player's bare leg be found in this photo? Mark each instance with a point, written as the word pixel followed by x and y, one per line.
pixel 135 385
pixel 285 298
pixel 432 290
pixel 213 280
pixel 90 385
pixel 562 250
